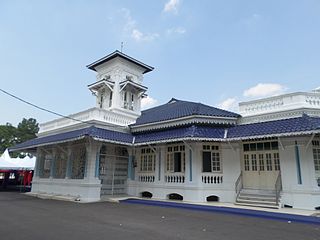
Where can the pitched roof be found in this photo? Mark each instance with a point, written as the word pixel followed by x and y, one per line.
pixel 117 53
pixel 178 134
pixel 94 132
pixel 286 127
pixel 176 109
pixel 291 126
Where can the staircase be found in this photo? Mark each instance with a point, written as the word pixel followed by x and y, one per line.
pixel 258 198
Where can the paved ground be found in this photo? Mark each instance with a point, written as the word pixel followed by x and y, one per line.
pixel 25 217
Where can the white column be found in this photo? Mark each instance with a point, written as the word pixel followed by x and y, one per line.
pixel 92 148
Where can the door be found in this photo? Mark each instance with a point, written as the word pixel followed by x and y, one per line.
pixel 260 170
pixel 113 173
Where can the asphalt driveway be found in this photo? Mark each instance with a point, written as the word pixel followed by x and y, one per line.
pixel 24 217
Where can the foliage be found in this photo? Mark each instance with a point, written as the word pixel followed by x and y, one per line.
pixel 10 135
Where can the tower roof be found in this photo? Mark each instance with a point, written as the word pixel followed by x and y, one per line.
pixel 117 53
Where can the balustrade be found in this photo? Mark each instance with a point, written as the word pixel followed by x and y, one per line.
pixel 174 178
pixel 212 179
pixel 146 178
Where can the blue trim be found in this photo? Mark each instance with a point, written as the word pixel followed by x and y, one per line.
pixel 133 169
pixel 69 165
pixel 298 163
pixel 52 165
pixel 236 211
pixel 86 165
pixel 190 164
pixel 96 173
pixel 130 163
pixel 159 170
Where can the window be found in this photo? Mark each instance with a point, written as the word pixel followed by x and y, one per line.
pixel 269 162
pixel 261 162
pixel 246 162
pixel 211 161
pixel 45 163
pixel 276 161
pixel 316 159
pixel 260 146
pixel 103 161
pixel 60 165
pixel 110 99
pixel 78 161
pixel 175 158
pixel 147 160
pixel 254 162
pixel 128 100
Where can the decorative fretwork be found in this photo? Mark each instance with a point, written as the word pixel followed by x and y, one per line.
pixel 60 165
pixel 78 160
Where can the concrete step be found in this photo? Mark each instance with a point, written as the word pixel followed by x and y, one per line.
pixel 253 201
pixel 257 197
pixel 257 205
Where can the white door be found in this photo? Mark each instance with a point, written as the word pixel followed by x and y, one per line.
pixel 260 169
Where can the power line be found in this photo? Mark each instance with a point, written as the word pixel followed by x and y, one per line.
pixel 41 108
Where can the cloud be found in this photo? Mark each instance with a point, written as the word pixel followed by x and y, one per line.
pixel 140 37
pixel 172 6
pixel 148 102
pixel 178 30
pixel 264 90
pixel 130 28
pixel 130 23
pixel 229 104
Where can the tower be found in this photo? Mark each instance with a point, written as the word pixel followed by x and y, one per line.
pixel 118 87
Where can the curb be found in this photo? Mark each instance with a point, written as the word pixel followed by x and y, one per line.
pixel 244 212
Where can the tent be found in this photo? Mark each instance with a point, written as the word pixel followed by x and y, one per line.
pixel 16 171
pixel 26 163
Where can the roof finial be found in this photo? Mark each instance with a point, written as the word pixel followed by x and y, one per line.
pixel 121 46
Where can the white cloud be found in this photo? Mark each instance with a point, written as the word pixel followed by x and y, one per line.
pixel 130 28
pixel 172 6
pixel 130 23
pixel 148 102
pixel 264 90
pixel 178 30
pixel 140 37
pixel 229 104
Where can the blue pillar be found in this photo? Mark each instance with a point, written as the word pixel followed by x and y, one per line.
pixel 69 165
pixel 298 163
pixel 130 163
pixel 133 168
pixel 86 163
pixel 53 165
pixel 159 170
pixel 97 165
pixel 190 164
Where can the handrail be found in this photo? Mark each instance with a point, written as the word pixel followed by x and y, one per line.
pixel 278 187
pixel 239 184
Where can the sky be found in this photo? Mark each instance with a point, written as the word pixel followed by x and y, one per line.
pixel 219 53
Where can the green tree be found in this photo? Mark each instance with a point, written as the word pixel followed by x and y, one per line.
pixel 8 136
pixel 27 129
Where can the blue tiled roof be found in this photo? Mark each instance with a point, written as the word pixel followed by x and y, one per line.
pixel 180 133
pixel 285 126
pixel 300 125
pixel 175 109
pixel 98 133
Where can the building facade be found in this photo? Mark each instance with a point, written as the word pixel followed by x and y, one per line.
pixel 268 155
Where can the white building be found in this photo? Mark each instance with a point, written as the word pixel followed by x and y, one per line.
pixel 269 155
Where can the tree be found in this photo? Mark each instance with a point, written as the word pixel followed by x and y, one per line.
pixel 27 129
pixel 10 135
